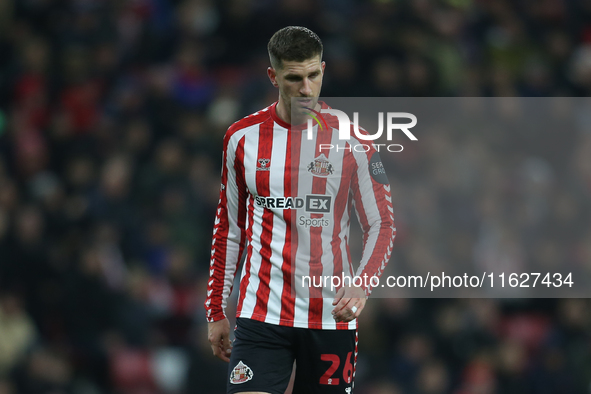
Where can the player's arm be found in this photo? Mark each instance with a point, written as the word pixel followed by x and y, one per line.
pixel 227 246
pixel 373 206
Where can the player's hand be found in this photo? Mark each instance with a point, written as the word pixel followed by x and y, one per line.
pixel 219 337
pixel 349 302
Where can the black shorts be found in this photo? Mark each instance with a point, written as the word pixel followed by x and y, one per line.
pixel 263 356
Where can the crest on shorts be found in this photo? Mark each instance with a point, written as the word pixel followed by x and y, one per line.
pixel 241 373
pixel 263 164
pixel 320 166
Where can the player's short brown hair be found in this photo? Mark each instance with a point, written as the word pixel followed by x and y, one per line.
pixel 293 43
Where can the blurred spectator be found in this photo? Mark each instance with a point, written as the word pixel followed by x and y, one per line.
pixel 18 333
pixel 45 370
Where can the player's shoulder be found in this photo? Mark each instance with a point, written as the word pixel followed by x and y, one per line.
pixel 333 122
pixel 248 122
pixel 331 118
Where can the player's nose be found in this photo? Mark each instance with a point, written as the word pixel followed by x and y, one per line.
pixel 306 89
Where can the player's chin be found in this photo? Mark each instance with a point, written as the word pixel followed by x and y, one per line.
pixel 301 109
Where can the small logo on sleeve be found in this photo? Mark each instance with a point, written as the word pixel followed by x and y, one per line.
pixel 376 168
pixel 241 374
pixel 263 164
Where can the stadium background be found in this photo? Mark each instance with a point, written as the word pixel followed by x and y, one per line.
pixel 111 120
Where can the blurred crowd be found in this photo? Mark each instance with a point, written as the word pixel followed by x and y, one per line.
pixel 112 114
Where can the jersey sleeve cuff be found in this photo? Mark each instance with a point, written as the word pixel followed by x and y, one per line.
pixel 216 317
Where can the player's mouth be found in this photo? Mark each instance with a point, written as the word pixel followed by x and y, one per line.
pixel 305 102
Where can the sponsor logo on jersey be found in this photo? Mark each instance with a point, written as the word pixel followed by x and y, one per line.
pixel 312 203
pixel 318 203
pixel 241 373
pixel 320 166
pixel 263 164
pixel 306 221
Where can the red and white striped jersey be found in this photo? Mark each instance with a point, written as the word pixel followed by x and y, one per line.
pixel 287 199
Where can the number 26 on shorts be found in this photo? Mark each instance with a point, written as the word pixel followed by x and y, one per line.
pixel 328 377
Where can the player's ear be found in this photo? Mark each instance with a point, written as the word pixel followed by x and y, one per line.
pixel 323 65
pixel 272 76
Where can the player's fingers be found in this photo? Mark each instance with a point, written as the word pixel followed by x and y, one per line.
pixel 340 305
pixel 215 344
pixel 345 312
pixel 358 307
pixel 353 309
pixel 221 352
pixel 216 349
pixel 226 344
pixel 218 346
pixel 223 357
pixel 338 296
pixel 225 350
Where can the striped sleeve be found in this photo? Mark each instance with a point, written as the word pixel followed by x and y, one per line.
pixel 373 206
pixel 229 228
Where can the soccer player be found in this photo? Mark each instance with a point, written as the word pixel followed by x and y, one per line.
pixel 288 203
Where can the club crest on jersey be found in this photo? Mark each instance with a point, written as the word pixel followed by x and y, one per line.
pixel 241 373
pixel 263 164
pixel 321 166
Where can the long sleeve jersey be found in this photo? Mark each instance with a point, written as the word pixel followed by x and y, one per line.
pixel 287 197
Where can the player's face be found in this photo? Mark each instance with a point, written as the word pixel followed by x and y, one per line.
pixel 300 80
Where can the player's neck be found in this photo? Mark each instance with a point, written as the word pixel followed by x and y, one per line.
pixel 282 111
